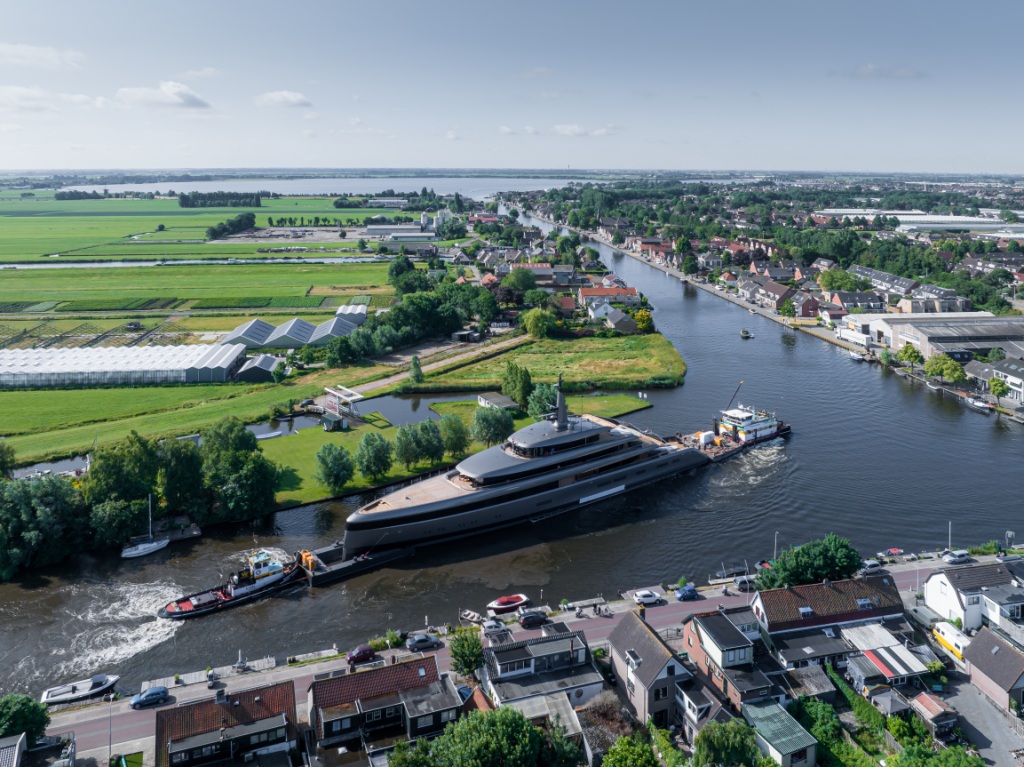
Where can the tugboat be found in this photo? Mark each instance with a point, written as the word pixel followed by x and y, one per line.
pixel 263 574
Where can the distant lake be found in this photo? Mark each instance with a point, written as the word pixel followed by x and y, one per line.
pixel 476 188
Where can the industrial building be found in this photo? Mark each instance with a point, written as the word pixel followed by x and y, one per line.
pixel 253 334
pixel 290 335
pixel 119 366
pixel 354 313
pixel 258 369
pixel 293 334
pixel 961 335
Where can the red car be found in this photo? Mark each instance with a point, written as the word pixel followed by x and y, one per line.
pixel 361 654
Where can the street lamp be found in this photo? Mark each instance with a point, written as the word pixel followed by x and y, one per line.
pixel 775 548
pixel 110 726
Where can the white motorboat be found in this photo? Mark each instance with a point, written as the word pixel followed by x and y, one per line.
pixel 142 545
pixel 86 688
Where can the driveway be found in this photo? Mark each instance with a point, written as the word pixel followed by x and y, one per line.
pixel 982 723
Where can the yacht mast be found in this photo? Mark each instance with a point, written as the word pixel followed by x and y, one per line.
pixel 561 413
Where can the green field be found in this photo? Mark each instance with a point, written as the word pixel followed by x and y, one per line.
pixel 626 362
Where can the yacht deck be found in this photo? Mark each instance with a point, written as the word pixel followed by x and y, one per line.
pixel 425 491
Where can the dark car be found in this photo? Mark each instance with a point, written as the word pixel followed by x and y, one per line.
pixel 533 619
pixel 361 654
pixel 418 642
pixel 149 697
pixel 687 592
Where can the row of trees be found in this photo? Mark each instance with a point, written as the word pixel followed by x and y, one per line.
pixel 239 223
pixel 221 199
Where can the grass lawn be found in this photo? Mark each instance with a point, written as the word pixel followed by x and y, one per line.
pixel 603 405
pixel 626 362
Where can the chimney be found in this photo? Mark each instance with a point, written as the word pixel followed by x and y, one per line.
pixel 827 583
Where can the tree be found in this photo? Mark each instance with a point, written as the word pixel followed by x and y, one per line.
pixel 407 449
pixel 631 752
pixel 21 714
pixel 998 387
pixel 910 354
pixel 644 321
pixel 832 557
pixel 491 425
pixel 467 653
pixel 520 279
pixel 690 264
pixel 180 479
pixel 454 435
pixel 399 266
pixel 41 522
pixel 541 400
pixel 430 442
pixel 536 297
pixel 499 738
pixel 279 373
pixel 516 383
pixel 945 367
pixel 1009 216
pixel 127 469
pixel 787 309
pixel 114 521
pixel 249 492
pixel 732 743
pixel 373 456
pixel 361 244
pixel 415 371
pixel 538 322
pixel 7 460
pixel 334 467
pixel 340 352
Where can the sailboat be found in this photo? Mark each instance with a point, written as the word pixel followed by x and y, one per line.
pixel 142 545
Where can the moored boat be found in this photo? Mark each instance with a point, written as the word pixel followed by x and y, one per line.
pixel 746 333
pixel 263 574
pixel 508 603
pixel 470 616
pixel 100 684
pixel 142 545
pixel 978 405
pixel 856 356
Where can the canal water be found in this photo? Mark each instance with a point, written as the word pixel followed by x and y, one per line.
pixel 872 457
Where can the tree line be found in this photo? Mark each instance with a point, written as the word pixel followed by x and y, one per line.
pixel 226 477
pixel 221 199
pixel 239 223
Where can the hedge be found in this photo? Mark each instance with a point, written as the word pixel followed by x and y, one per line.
pixel 866 714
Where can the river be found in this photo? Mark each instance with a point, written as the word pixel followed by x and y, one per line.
pixel 872 457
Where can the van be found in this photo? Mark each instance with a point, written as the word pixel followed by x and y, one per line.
pixel 958 557
pixel 745 583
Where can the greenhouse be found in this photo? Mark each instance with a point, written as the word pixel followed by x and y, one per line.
pixel 119 366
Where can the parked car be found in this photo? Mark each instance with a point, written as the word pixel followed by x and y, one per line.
pixel 745 583
pixel 493 627
pixel 958 557
pixel 532 619
pixel 870 567
pixel 149 697
pixel 419 642
pixel 687 592
pixel 646 597
pixel 361 654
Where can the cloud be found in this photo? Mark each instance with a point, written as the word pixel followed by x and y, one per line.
pixel 876 72
pixel 9 127
pixel 549 95
pixel 529 130
pixel 15 98
pixel 282 99
pixel 574 130
pixel 309 134
pixel 96 102
pixel 532 73
pixel 39 57
pixel 504 130
pixel 452 136
pixel 311 115
pixel 202 73
pixel 169 94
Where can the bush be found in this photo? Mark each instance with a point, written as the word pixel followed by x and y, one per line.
pixel 665 748
pixel 866 714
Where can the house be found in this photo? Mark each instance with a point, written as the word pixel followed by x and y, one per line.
pixel 567 305
pixel 1011 371
pixel 988 594
pixel 496 400
pixel 374 708
pixel 938 716
pixel 490 260
pixel 779 736
pixel 883 282
pixel 598 312
pixel 546 711
pixel 710 261
pixel 487 281
pixel 562 274
pixel 890 666
pixel 619 321
pixel 611 281
pixel 831 312
pixel 725 655
pixel 12 749
pixel 647 669
pixel 697 704
pixel 831 603
pixel 869 302
pixel 996 667
pixel 823 264
pixel 747 287
pixel 231 726
pixel 805 304
pixel 810 648
pixel 809 682
pixel 559 661
pixel 613 295
pixel 772 295
pixel 778 274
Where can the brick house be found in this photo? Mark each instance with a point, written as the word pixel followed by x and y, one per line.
pixel 869 302
pixel 615 295
pixel 773 295
pixel 805 304
pixel 647 669
pixel 725 656
pixel 996 667
pixel 230 726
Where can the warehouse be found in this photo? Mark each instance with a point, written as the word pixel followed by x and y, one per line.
pixel 293 334
pixel 253 334
pixel 290 335
pixel 259 369
pixel 119 366
pixel 354 313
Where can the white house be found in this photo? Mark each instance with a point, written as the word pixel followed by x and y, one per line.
pixel 989 594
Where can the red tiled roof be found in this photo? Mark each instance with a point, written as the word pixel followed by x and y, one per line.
pixel 488 279
pixel 408 675
pixel 832 603
pixel 607 291
pixel 478 701
pixel 541 265
pixel 190 719
pixel 932 705
pixel 567 302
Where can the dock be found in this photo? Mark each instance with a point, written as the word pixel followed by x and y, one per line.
pixel 327 565
pixel 178 529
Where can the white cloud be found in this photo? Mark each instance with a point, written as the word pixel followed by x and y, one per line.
pixel 9 127
pixel 569 129
pixel 504 130
pixel 169 94
pixel 96 102
pixel 309 134
pixel 39 57
pixel 532 73
pixel 452 136
pixel 549 95
pixel 202 73
pixel 311 115
pixel 282 99
pixel 15 98
pixel 529 130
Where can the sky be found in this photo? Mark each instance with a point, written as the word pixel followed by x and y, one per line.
pixel 899 85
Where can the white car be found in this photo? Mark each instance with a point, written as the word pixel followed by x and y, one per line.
pixel 646 597
pixel 493 627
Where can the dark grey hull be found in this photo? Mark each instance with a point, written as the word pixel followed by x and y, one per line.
pixel 403 529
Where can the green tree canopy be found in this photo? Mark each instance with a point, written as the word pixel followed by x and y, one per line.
pixel 41 522
pixel 538 322
pixel 491 425
pixel 732 743
pixel 373 456
pixel 399 266
pixel 519 279
pixel 945 367
pixel 517 383
pixel 467 652
pixel 831 557
pixel 838 279
pixel 454 435
pixel 630 752
pixel 21 714
pixel 407 448
pixel 180 478
pixel 114 521
pixel 541 400
pixel 499 738
pixel 7 460
pixel 998 387
pixel 334 468
pixel 430 441
pixel 910 354
pixel 126 469
pixel 415 371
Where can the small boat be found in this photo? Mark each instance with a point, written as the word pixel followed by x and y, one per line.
pixel 856 356
pixel 87 688
pixel 934 386
pixel 893 552
pixel 508 603
pixel 764 564
pixel 978 405
pixel 471 617
pixel 141 545
pixel 746 333
pixel 262 574
pixel 752 311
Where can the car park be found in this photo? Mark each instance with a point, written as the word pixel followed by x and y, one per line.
pixel 493 627
pixel 870 567
pixel 958 557
pixel 420 642
pixel 532 619
pixel 745 583
pixel 149 697
pixel 687 592
pixel 646 597
pixel 361 654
